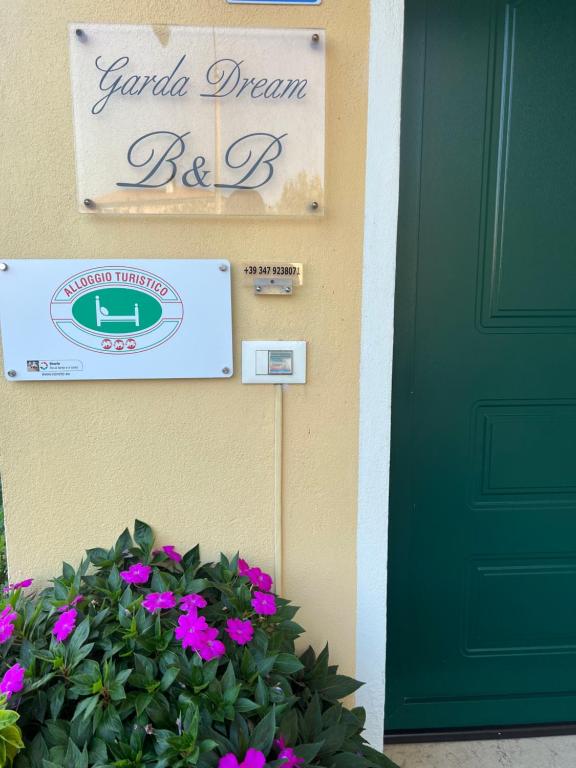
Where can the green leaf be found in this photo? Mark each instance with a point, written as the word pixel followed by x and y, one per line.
pixel 245 705
pixel 143 535
pixel 289 726
pixel 360 714
pixel 229 677
pixel 123 543
pixel 56 698
pixel 287 664
pixel 114 580
pixel 168 678
pixel 332 715
pixel 338 687
pixel 263 734
pixel 312 725
pixel 308 751
pixel 41 682
pixel 79 637
pixel 377 758
pixel 209 671
pixel 196 585
pixel 261 693
pixel 37 751
pixel 110 726
pixel 122 676
pixel 12 736
pixel 145 666
pixel 8 717
pixel 265 666
pixel 349 760
pixel 191 558
pixel 333 738
pixel 86 707
pixel 99 557
pixel 308 658
pixel 68 572
pixel 231 694
pixel 143 701
pixel 74 758
pixel 320 665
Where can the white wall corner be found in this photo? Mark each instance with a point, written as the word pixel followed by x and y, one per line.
pixel 380 229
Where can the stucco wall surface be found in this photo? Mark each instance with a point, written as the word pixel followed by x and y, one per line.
pixel 194 458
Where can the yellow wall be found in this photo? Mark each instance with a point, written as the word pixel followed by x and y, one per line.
pixel 194 458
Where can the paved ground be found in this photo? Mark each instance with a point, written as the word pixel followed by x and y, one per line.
pixel 551 752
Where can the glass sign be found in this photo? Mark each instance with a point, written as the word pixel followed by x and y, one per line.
pixel 198 120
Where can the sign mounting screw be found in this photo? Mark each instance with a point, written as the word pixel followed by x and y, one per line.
pixel 89 203
pixel 314 205
pixel 223 267
pixel 3 266
pixel 11 373
pixel 225 371
pixel 315 37
pixel 80 35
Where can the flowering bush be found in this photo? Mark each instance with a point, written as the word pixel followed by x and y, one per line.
pixel 150 658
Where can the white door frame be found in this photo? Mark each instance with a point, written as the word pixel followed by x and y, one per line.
pixel 380 228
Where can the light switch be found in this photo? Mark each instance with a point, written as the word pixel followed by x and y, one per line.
pixel 274 362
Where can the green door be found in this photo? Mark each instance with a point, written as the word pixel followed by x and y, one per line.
pixel 482 587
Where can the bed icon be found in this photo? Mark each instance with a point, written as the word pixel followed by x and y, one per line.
pixel 104 316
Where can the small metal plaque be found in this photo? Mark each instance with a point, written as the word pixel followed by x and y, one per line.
pixel 253 270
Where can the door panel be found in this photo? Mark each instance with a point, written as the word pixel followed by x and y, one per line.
pixel 482 586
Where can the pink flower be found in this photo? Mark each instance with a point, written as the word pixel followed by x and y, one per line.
pixel 287 754
pixel 157 601
pixel 263 603
pixel 192 602
pixel 13 680
pixel 170 553
pixel 254 759
pixel 65 625
pixel 190 631
pixel 19 585
pixel 7 619
pixel 137 574
pixel 74 602
pixel 291 760
pixel 211 648
pixel 241 631
pixel 260 579
pixel 194 632
pixel 243 567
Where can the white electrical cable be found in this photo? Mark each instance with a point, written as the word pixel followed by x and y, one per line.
pixel 278 538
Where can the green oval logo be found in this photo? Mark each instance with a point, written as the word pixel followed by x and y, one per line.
pixel 117 311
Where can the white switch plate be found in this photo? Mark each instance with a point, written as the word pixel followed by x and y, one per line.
pixel 257 362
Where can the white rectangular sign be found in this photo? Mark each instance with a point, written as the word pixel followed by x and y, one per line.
pixel 198 120
pixel 123 319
